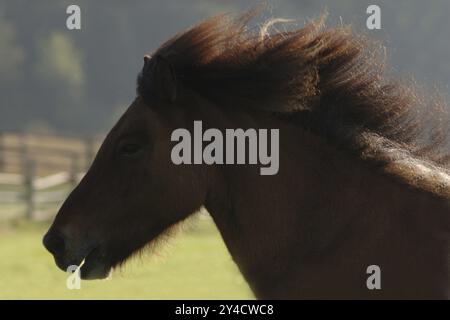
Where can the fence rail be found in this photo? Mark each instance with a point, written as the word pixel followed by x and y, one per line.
pixel 38 172
pixel 11 178
pixel 34 191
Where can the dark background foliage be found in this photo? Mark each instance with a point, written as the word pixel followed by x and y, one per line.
pixel 79 82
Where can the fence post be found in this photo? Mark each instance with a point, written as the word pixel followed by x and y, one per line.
pixel 30 171
pixel 24 152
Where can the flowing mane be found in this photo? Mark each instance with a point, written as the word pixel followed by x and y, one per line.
pixel 330 81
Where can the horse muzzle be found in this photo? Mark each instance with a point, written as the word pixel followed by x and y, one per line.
pixel 91 258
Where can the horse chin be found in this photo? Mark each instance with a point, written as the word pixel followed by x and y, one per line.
pixel 96 273
pixel 95 266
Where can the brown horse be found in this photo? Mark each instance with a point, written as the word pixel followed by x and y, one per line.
pixel 362 174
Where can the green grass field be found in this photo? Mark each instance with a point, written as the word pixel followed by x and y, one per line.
pixel 194 265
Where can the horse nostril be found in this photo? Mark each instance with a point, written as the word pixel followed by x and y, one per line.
pixel 54 243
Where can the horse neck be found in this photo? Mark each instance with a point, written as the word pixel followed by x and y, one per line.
pixel 315 227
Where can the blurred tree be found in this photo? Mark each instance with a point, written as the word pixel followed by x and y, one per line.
pixel 59 62
pixel 11 54
pixel 59 79
pixel 12 57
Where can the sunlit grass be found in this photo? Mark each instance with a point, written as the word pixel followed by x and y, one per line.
pixel 195 265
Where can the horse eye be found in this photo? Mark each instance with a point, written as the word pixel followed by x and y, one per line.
pixel 129 149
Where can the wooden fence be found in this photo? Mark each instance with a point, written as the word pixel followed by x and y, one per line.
pixel 37 172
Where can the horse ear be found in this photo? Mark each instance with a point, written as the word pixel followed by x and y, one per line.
pixel 162 76
pixel 147 59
